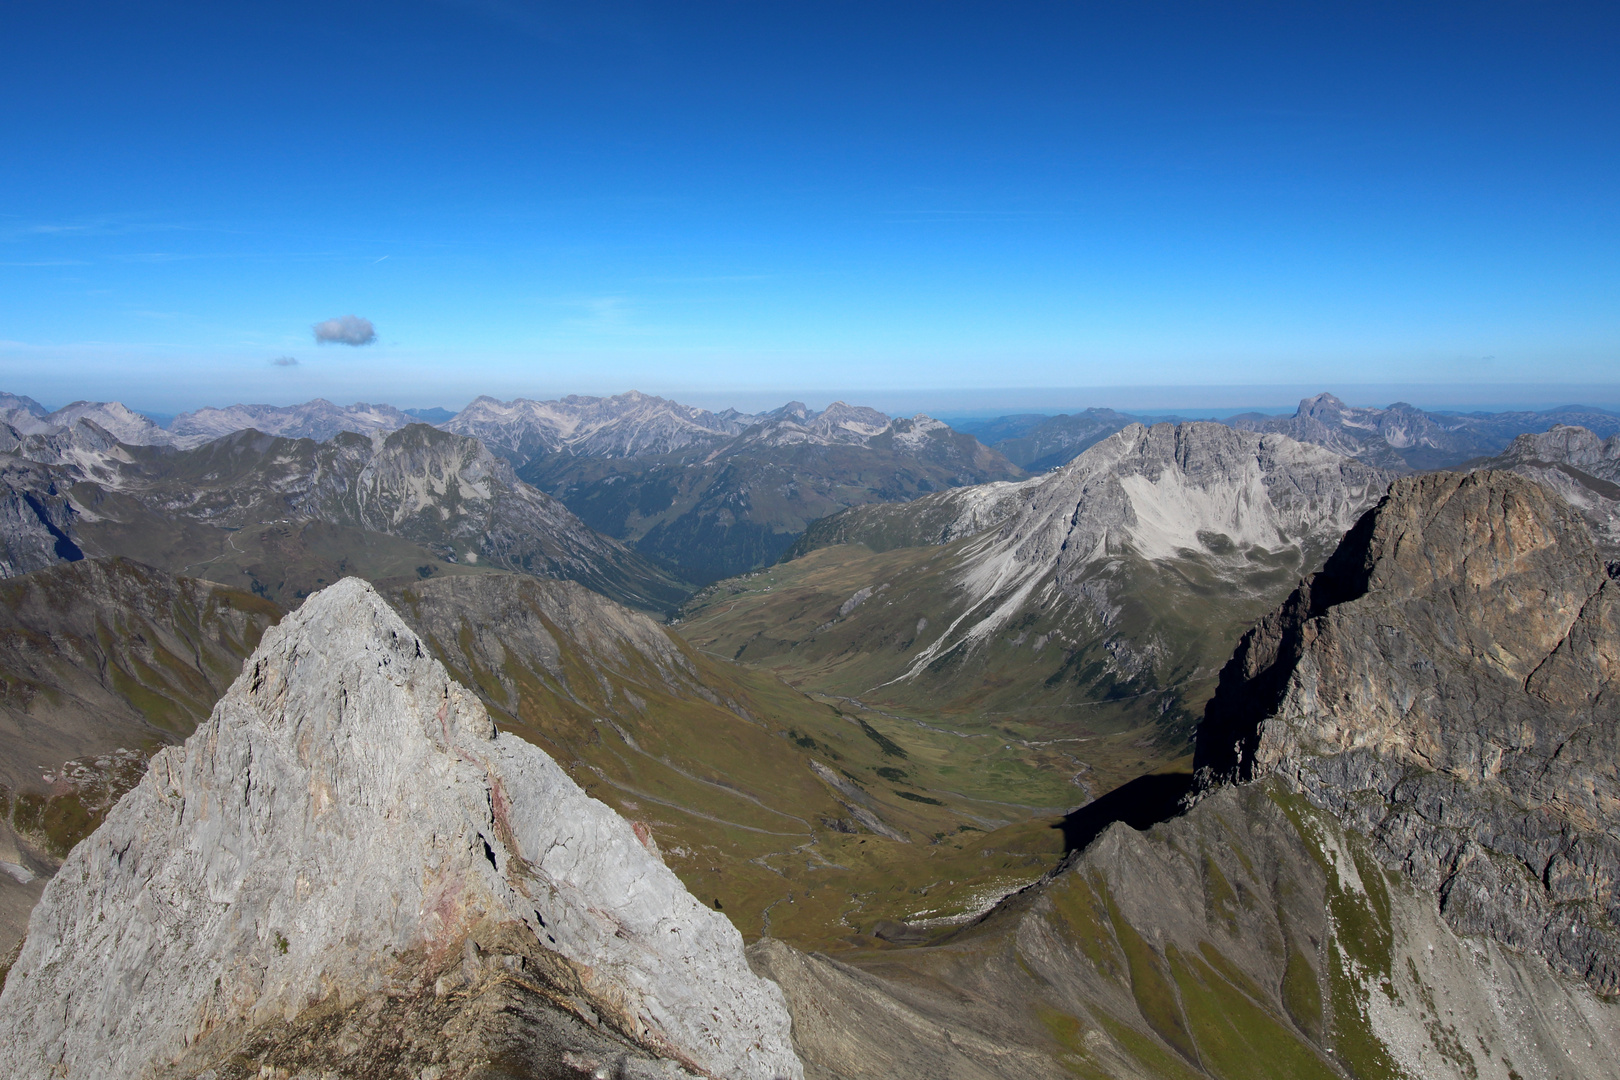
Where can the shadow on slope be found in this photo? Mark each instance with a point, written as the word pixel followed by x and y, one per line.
pixel 1141 804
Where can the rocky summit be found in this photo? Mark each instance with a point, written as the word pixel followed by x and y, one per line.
pixel 347 868
pixel 1449 686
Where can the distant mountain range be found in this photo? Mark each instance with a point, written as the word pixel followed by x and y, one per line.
pixel 713 494
pixel 707 494
pixel 1401 438
pixel 282 517
pixel 721 508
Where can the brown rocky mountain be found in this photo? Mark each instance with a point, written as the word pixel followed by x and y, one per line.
pixel 1449 686
pixel 1399 863
pixel 1582 468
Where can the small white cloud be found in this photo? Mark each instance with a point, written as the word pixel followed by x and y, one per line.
pixel 285 361
pixel 345 330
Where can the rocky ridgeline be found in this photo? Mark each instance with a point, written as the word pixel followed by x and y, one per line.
pixel 347 867
pixel 1449 685
pixel 1160 493
pixel 1583 469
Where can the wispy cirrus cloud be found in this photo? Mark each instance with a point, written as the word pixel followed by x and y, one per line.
pixel 14 230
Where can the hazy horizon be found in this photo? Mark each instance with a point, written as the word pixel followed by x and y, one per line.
pixel 1217 402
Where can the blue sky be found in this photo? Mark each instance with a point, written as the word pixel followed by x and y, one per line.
pixel 748 200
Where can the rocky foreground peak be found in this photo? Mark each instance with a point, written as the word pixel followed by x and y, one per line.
pixel 347 841
pixel 1449 684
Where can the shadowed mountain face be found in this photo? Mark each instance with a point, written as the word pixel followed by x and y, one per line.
pixel 1413 876
pixel 722 509
pixel 1102 596
pixel 280 511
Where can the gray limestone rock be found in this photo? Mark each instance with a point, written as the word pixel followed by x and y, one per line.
pixel 348 830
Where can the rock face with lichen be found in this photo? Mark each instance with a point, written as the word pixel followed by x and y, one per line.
pixel 1449 685
pixel 347 853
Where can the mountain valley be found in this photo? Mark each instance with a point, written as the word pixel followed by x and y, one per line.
pixel 1095 601
pixel 934 767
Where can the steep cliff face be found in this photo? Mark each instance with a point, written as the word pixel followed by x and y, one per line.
pixel 347 864
pixel 37 519
pixel 1413 876
pixel 102 663
pixel 1449 685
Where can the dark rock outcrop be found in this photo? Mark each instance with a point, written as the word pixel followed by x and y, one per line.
pixel 1449 686
pixel 37 521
